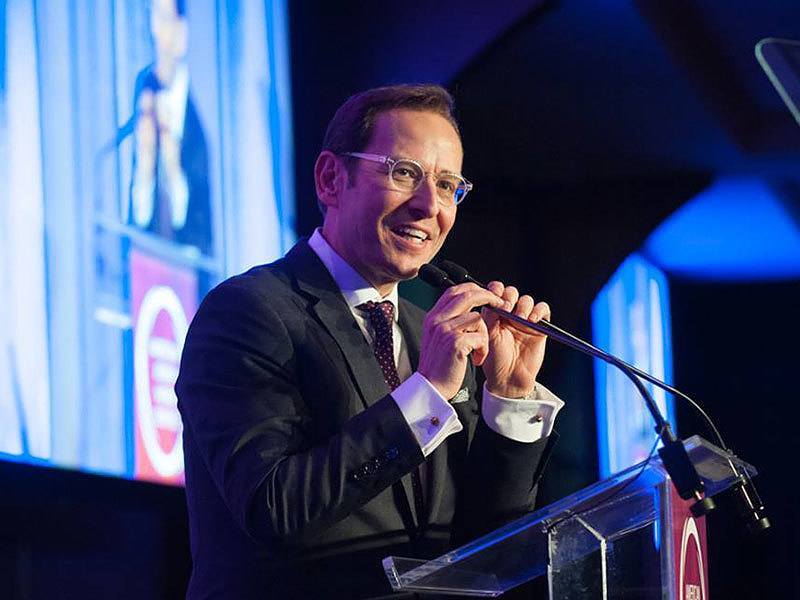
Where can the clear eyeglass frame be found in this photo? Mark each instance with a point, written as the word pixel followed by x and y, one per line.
pixel 448 196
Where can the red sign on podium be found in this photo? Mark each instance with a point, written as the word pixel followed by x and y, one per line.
pixel 164 299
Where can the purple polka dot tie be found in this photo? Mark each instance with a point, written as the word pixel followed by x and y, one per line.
pixel 381 318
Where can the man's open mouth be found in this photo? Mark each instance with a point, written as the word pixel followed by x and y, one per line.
pixel 411 233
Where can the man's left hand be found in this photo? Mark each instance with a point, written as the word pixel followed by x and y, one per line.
pixel 515 355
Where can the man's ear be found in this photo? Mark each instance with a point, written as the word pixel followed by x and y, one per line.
pixel 330 177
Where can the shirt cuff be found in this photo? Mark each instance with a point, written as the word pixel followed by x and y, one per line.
pixel 427 412
pixel 522 419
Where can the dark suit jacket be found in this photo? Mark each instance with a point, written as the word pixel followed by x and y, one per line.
pixel 297 457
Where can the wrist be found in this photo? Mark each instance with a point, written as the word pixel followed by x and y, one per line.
pixel 444 389
pixel 510 392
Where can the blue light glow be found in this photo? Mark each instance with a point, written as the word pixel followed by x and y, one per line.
pixel 739 229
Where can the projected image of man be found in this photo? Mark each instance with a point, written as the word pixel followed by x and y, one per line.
pixel 169 192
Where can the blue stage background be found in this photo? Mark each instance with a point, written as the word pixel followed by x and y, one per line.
pixel 69 230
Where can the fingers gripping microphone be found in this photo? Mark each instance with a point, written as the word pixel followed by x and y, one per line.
pixel 459 274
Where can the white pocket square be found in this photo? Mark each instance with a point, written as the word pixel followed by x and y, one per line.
pixel 461 396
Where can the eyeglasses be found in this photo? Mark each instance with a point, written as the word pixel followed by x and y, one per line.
pixel 407 175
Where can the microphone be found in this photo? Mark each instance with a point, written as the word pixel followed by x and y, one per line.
pixel 457 272
pixel 673 455
pixel 433 275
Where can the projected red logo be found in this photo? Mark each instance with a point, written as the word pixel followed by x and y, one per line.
pixel 164 300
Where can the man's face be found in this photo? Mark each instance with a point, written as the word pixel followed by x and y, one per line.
pixel 373 222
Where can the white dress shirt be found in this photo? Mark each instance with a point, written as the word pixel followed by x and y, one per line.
pixel 430 416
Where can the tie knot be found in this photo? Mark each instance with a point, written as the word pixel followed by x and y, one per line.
pixel 378 312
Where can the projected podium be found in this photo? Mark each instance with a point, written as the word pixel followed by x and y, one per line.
pixel 629 536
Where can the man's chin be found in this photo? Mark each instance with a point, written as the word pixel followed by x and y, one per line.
pixel 402 267
pixel 411 268
pixel 404 272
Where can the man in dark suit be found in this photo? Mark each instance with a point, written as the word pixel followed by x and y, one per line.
pixel 327 423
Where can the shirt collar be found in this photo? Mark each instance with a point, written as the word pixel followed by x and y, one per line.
pixel 355 289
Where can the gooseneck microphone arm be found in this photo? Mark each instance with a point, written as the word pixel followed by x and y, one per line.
pixel 673 454
pixel 457 274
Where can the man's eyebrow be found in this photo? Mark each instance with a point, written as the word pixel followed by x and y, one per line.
pixel 423 164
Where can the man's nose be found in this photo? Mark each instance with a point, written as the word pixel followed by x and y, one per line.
pixel 425 200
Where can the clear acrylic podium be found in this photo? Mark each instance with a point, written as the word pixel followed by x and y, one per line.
pixel 629 536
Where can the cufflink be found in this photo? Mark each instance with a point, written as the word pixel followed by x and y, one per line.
pixel 461 396
pixel 536 419
pixel 433 425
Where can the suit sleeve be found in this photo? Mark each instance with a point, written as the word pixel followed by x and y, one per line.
pixel 240 401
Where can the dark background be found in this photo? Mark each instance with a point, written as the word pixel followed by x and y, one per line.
pixel 585 125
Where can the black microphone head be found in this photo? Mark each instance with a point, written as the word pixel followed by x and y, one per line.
pixel 456 272
pixel 433 275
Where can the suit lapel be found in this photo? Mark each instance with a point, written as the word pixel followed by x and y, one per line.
pixel 330 308
pixel 412 332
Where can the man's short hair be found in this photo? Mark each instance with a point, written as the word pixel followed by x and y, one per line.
pixel 351 127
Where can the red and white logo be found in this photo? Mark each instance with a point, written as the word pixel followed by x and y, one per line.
pixel 157 345
pixel 164 299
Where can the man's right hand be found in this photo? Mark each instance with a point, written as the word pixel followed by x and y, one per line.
pixel 146 132
pixel 451 332
pixel 144 172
